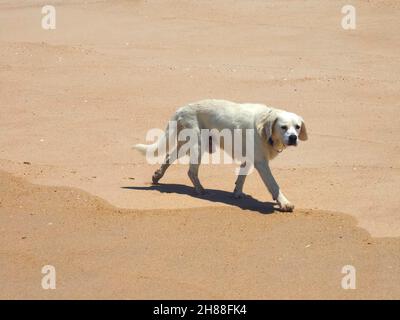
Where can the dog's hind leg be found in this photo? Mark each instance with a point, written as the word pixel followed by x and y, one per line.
pixel 193 174
pixel 158 174
pixel 169 159
pixel 194 165
pixel 238 192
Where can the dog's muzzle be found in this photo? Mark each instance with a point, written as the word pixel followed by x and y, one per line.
pixel 292 140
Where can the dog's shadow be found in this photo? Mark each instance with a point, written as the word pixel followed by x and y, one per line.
pixel 245 203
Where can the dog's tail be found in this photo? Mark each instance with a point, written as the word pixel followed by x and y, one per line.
pixel 142 148
pixel 160 146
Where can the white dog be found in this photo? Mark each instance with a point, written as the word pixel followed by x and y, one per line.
pixel 273 131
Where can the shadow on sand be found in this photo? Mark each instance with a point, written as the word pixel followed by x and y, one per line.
pixel 246 203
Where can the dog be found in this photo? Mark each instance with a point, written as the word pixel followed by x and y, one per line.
pixel 273 131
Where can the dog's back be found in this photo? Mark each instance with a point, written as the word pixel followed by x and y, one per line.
pixel 219 114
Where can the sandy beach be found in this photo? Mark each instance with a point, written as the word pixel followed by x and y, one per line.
pixel 73 193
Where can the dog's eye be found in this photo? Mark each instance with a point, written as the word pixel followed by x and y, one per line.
pixel 297 127
pixel 284 127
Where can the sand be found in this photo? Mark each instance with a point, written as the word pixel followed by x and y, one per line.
pixel 204 253
pixel 75 99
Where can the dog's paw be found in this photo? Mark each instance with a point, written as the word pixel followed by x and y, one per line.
pixel 238 195
pixel 286 207
pixel 155 178
pixel 200 191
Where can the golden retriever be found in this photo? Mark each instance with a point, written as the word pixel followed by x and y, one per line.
pixel 270 131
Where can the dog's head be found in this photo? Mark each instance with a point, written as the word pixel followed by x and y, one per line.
pixel 283 127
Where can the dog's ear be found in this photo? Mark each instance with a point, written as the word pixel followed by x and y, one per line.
pixel 303 131
pixel 265 124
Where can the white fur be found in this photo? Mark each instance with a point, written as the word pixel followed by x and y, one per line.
pixel 221 114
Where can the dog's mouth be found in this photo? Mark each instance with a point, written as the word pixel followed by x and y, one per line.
pixel 292 144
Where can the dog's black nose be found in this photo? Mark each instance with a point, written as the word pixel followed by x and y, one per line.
pixel 292 139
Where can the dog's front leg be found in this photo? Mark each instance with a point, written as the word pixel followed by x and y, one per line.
pixel 268 179
pixel 238 192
